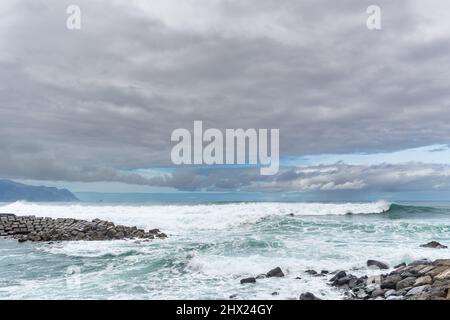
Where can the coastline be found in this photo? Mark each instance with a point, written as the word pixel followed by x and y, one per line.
pixel 418 280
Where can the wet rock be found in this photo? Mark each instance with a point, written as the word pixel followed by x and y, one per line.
pixel 406 274
pixel 361 294
pixel 406 283
pixel 390 293
pixel 378 293
pixel 417 291
pixel 261 276
pixel 275 293
pixel 390 282
pixel 308 296
pixel 353 283
pixel 377 264
pixel 248 280
pixel 434 245
pixel 277 272
pixel 442 262
pixel 423 281
pixel 341 281
pixel 338 275
pixel 436 271
pixel 420 262
pixel 423 271
pixel 311 272
pixel 444 275
pixel 400 265
pixel 404 291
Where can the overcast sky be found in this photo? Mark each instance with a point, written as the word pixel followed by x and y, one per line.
pixel 358 110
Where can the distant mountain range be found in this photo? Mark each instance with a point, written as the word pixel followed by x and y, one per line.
pixel 14 191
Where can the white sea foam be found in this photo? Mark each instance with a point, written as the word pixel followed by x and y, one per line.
pixel 176 218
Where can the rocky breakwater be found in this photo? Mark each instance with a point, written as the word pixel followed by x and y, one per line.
pixel 419 280
pixel 31 228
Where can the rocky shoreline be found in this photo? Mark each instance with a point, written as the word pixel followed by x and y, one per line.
pixel 418 280
pixel 31 228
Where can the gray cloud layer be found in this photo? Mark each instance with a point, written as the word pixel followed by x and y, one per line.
pixel 89 104
pixel 324 178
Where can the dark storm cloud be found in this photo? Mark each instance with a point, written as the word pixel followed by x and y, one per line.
pixel 88 105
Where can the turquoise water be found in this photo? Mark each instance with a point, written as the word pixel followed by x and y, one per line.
pixel 211 247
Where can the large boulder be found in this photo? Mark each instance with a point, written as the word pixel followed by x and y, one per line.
pixel 377 264
pixel 390 282
pixel 423 281
pixel 406 283
pixel 417 291
pixel 442 262
pixel 434 245
pixel 277 272
pixel 338 275
pixel 248 280
pixel 308 296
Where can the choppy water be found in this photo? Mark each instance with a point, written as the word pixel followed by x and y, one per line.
pixel 211 247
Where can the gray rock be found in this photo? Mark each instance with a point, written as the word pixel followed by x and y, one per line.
pixel 248 280
pixel 308 296
pixel 419 262
pixel 403 291
pixel 338 275
pixel 353 283
pixel 372 287
pixel 434 245
pixel 311 272
pixel 377 264
pixel 342 281
pixel 417 291
pixel 390 282
pixel 361 294
pixel 400 265
pixel 405 283
pixel 406 274
pixel 277 272
pixel 377 293
pixel 389 293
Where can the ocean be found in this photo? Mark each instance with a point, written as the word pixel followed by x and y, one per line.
pixel 211 246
